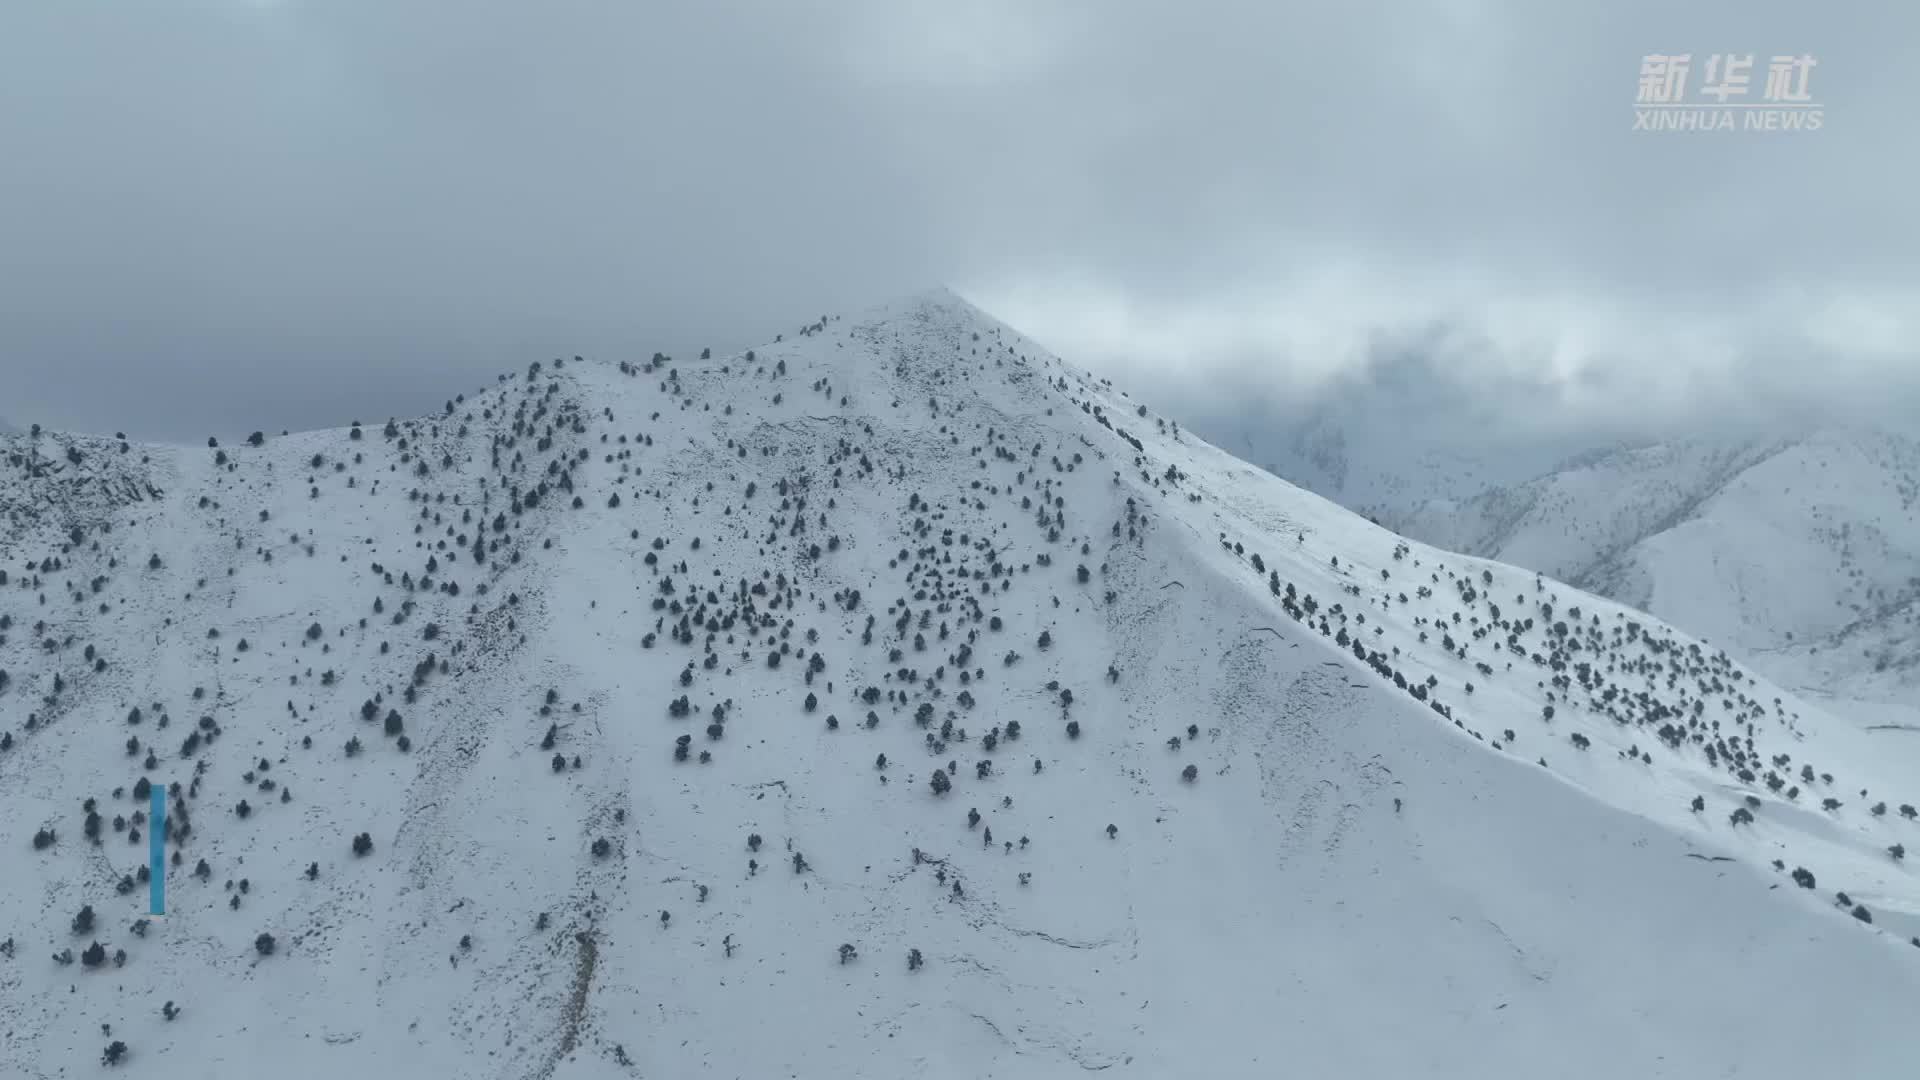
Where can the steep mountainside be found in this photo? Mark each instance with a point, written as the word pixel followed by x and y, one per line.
pixel 890 700
pixel 1572 520
pixel 1802 552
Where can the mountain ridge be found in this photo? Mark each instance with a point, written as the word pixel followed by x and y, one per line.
pixel 573 585
pixel 1667 529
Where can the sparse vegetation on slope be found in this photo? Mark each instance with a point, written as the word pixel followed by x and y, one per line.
pixel 477 633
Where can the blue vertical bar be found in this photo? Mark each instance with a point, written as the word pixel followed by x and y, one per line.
pixel 157 851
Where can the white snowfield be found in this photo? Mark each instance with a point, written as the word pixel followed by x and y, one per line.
pixel 1802 553
pixel 1362 879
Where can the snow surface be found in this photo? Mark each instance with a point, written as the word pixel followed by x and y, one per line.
pixel 1356 883
pixel 1802 553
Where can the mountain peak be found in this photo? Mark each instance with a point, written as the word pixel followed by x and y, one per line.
pixel 935 306
pixel 912 694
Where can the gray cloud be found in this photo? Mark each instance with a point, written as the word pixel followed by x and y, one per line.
pixel 226 214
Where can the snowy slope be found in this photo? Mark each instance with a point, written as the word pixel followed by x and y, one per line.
pixel 1802 552
pixel 833 548
pixel 1574 520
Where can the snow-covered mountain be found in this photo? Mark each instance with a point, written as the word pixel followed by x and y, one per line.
pixel 1793 543
pixel 1802 552
pixel 890 700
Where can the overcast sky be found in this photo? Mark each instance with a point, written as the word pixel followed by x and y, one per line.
pixel 217 215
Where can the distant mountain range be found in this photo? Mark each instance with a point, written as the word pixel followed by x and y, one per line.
pixel 1802 552
pixel 1799 548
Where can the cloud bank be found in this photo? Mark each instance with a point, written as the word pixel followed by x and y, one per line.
pixel 223 215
